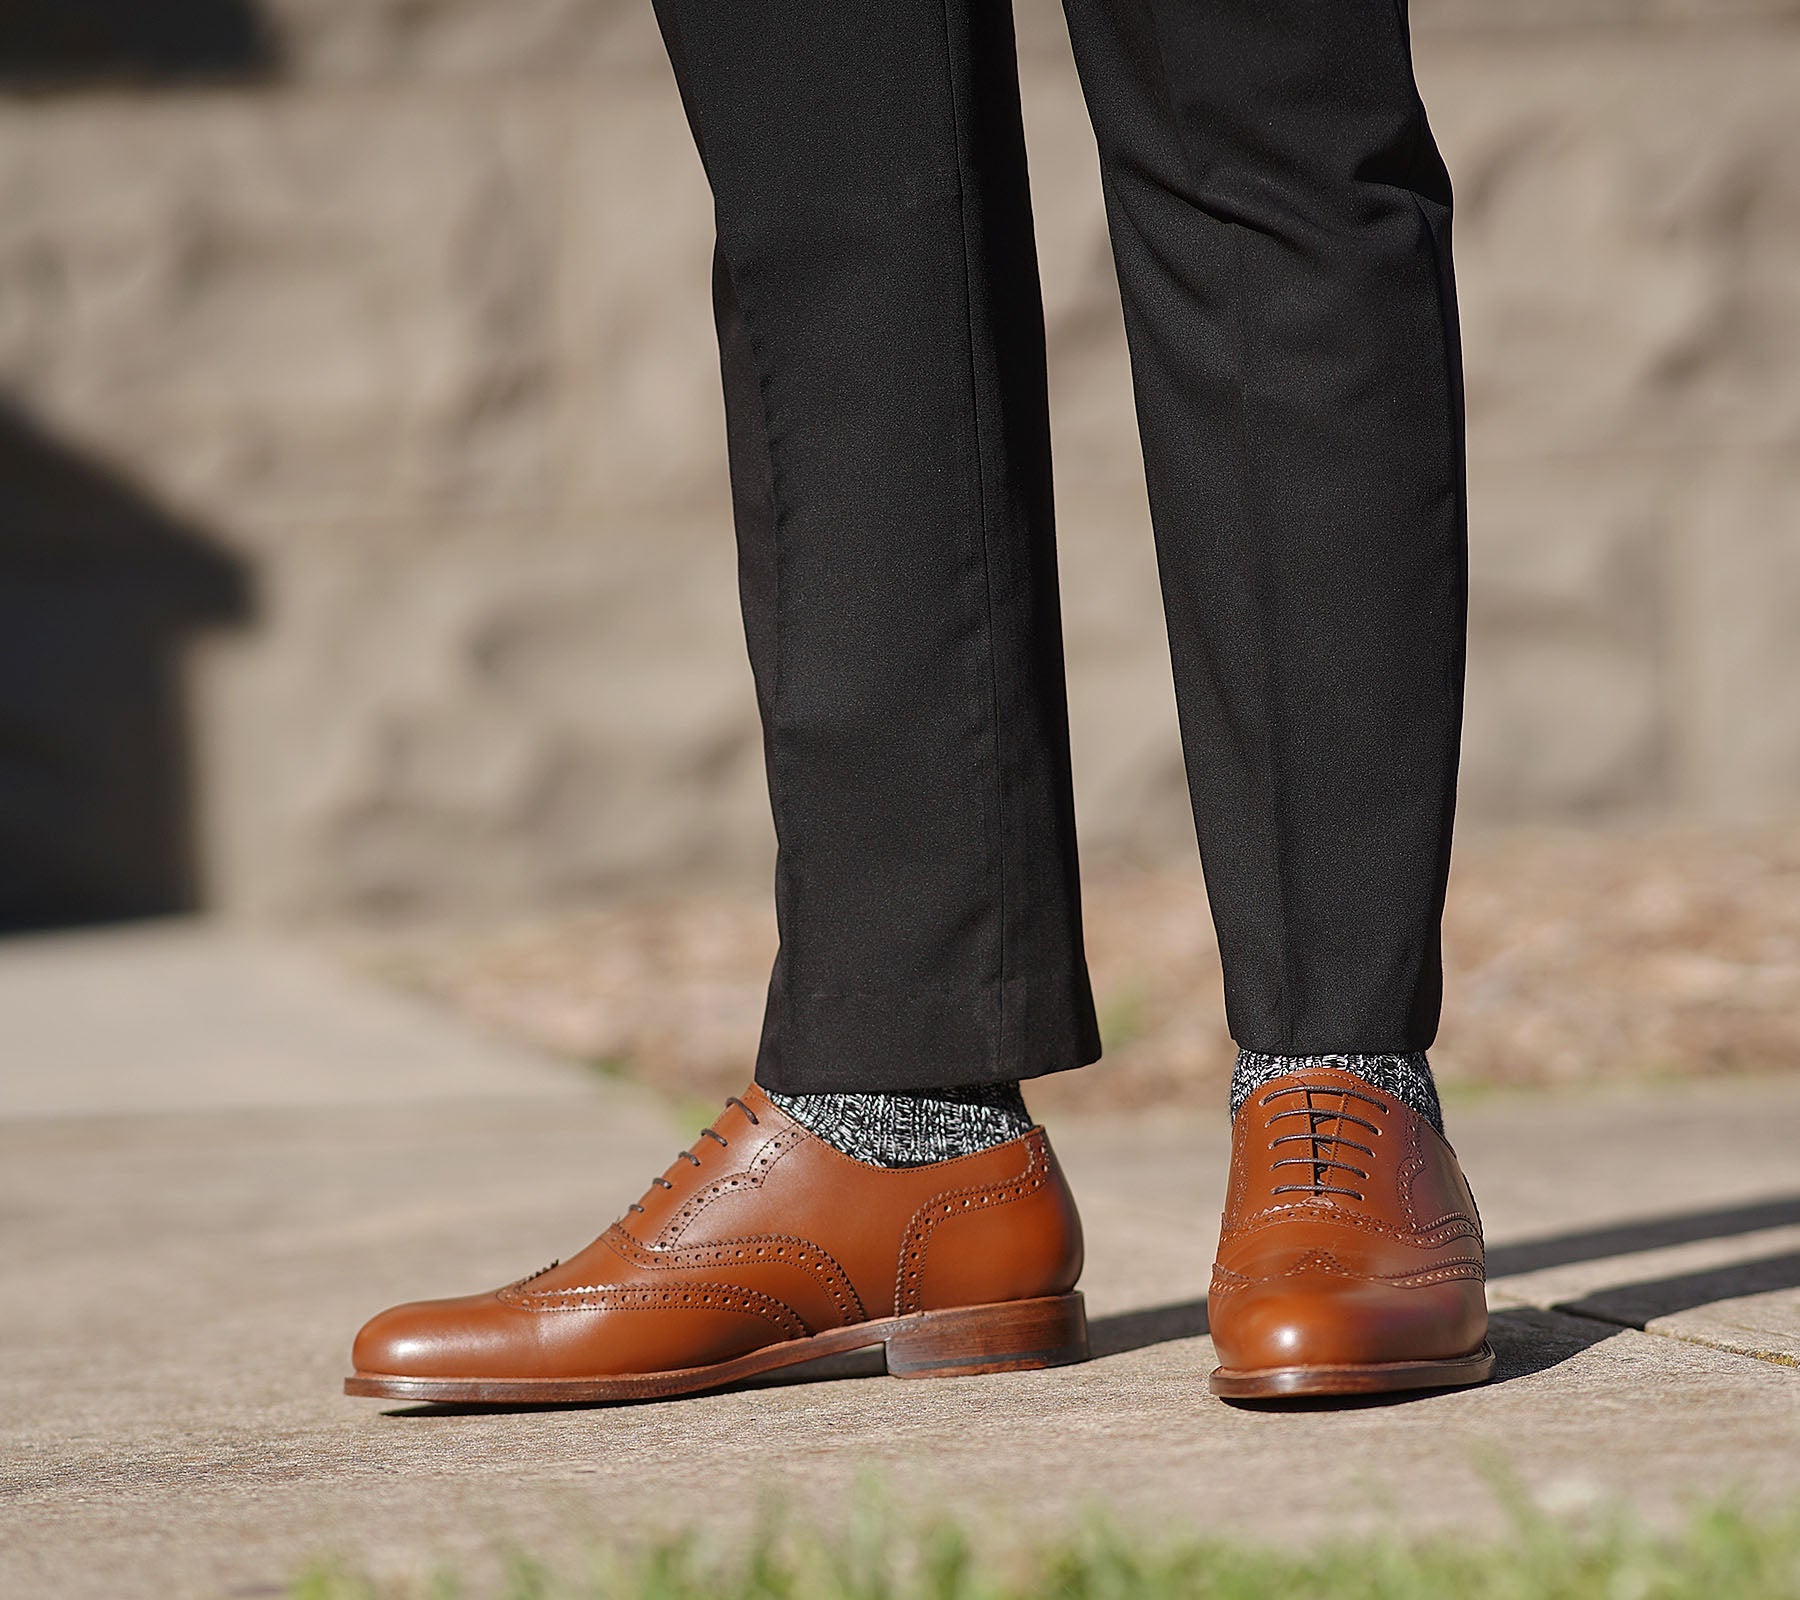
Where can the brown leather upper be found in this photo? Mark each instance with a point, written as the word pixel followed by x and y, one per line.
pixel 759 1234
pixel 1349 1236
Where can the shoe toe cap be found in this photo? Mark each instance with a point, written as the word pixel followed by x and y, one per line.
pixel 430 1339
pixel 1322 1321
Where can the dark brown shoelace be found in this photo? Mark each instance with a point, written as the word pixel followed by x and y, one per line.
pixel 1325 1147
pixel 705 1133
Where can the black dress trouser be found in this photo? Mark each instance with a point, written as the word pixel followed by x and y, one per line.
pixel 1280 224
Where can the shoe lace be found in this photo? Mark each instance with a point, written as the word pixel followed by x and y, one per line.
pixel 705 1133
pixel 1325 1146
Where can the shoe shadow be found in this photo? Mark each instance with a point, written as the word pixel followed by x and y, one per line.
pixel 1125 1331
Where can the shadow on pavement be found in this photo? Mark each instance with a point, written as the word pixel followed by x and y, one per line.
pixel 1652 1233
pixel 1632 1305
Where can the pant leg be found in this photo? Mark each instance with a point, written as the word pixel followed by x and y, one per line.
pixel 881 334
pixel 1281 226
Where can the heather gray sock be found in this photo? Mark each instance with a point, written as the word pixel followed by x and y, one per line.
pixel 915 1128
pixel 1407 1078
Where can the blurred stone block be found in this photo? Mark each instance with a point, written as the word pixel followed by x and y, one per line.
pixel 1568 711
pixel 460 40
pixel 495 721
pixel 1625 208
pixel 323 304
pixel 1490 16
pixel 1736 589
pixel 640 421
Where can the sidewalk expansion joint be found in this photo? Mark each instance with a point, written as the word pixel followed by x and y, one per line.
pixel 1772 1358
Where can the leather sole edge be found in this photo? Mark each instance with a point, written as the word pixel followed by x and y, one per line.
pixel 1382 1377
pixel 962 1341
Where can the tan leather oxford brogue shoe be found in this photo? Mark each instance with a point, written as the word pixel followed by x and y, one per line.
pixel 762 1247
pixel 1350 1260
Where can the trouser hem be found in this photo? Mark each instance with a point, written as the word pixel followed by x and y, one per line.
pixel 1337 1042
pixel 876 1042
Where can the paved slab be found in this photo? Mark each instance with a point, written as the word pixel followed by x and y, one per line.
pixel 181 1277
pixel 182 1016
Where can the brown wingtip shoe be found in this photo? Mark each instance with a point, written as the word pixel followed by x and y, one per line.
pixel 762 1247
pixel 1350 1260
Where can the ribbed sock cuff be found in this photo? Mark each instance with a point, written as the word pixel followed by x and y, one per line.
pixel 1407 1078
pixel 912 1129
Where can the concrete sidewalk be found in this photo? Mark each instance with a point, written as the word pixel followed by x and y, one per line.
pixel 217 1155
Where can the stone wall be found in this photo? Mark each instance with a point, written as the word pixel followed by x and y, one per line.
pixel 409 325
